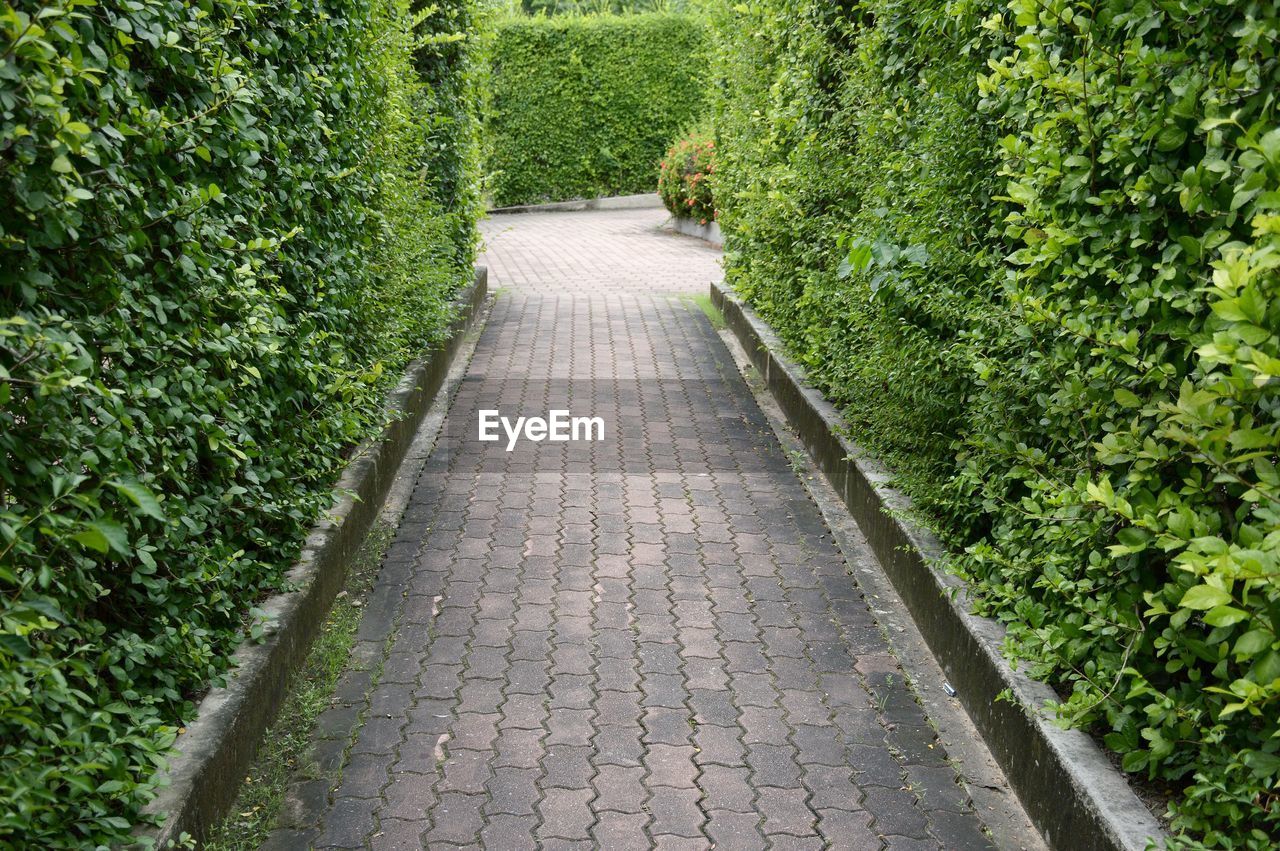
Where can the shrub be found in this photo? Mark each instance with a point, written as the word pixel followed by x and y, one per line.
pixel 684 177
pixel 584 106
pixel 872 149
pixel 1049 298
pixel 609 7
pixel 218 249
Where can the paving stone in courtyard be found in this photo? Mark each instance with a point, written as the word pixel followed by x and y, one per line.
pixel 647 640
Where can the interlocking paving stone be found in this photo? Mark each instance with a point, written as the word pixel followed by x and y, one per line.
pixel 648 641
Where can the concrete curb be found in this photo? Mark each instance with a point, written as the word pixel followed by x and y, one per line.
pixel 1076 798
pixel 709 232
pixel 217 748
pixel 615 202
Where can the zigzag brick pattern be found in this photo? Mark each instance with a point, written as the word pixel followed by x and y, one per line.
pixel 648 641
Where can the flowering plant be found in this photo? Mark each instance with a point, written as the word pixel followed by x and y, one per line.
pixel 684 177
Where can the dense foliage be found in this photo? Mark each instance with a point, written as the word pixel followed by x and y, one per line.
pixel 684 177
pixel 599 7
pixel 585 106
pixel 226 228
pixel 1032 248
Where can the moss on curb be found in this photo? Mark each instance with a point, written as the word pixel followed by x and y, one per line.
pixel 285 748
pixel 712 312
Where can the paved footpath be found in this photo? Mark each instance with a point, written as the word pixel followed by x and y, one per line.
pixel 646 641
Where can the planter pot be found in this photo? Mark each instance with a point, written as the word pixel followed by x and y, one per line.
pixel 692 227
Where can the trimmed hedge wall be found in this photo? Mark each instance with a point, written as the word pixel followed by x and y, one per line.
pixel 585 106
pixel 218 249
pixel 1032 249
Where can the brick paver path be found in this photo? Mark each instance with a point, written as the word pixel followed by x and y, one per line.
pixel 648 641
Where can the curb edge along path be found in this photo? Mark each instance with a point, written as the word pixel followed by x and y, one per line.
pixel 1079 799
pixel 217 747
pixel 650 640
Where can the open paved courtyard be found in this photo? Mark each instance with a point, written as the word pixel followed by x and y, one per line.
pixel 644 641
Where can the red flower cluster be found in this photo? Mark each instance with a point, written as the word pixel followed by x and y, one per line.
pixel 684 178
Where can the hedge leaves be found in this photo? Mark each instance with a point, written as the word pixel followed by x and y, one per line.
pixel 1033 249
pixel 586 106
pixel 218 247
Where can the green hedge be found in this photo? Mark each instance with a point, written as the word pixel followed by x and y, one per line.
pixel 1032 250
pixel 585 106
pixel 218 248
